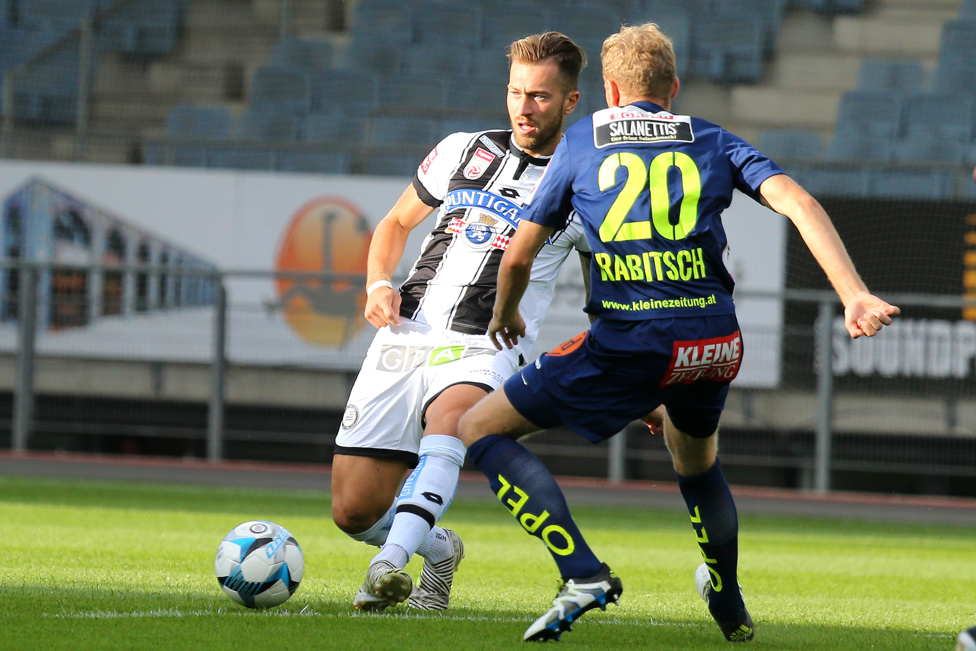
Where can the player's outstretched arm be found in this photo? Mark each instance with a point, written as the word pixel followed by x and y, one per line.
pixel 864 313
pixel 385 251
pixel 513 279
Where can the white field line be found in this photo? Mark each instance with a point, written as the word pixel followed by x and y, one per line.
pixel 307 612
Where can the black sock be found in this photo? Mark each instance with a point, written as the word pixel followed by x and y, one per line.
pixel 527 489
pixel 716 526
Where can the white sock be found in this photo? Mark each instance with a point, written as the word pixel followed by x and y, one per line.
pixel 376 535
pixel 393 553
pixel 436 546
pixel 427 492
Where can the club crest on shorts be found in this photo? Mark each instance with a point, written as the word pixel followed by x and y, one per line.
pixel 478 164
pixel 350 416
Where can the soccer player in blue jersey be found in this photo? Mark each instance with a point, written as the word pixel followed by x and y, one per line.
pixel 650 188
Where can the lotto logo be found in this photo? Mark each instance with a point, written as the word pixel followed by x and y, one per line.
pixel 705 359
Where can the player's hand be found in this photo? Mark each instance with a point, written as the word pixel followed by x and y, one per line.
pixel 867 314
pixel 655 421
pixel 383 307
pixel 509 329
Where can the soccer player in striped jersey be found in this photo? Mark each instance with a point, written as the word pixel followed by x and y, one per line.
pixel 431 359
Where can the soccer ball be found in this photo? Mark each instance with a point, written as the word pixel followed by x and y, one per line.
pixel 259 564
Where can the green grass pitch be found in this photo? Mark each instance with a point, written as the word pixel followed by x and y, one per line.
pixel 90 565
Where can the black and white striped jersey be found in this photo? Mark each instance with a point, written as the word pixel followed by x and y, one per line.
pixel 479 182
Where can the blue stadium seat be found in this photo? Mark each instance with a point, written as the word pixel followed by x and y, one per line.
pixel 333 128
pixel 954 78
pixel 482 98
pixel 940 115
pixel 489 66
pixel 965 188
pixel 830 6
pixel 180 155
pixel 438 60
pixel 53 14
pixel 784 144
pixel 416 93
pixel 49 92
pixel 907 184
pixel 331 162
pixel 448 126
pixel 856 147
pixel 958 44
pixel 367 52
pixel 257 125
pixel 968 10
pixel 392 164
pixel 142 27
pixel 871 114
pixel 883 75
pixel 508 22
pixel 728 49
pixel 400 131
pixel 304 53
pixel 244 158
pixel 284 90
pixel 457 25
pixel 834 182
pixel 344 90
pixel 768 13
pixel 186 121
pixel 389 21
pixel 926 149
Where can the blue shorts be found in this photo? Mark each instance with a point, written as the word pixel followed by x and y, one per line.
pixel 598 382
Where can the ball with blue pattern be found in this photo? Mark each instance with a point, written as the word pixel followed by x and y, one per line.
pixel 259 564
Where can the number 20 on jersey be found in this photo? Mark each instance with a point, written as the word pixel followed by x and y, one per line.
pixel 655 178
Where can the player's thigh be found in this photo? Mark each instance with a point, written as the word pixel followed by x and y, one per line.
pixel 494 415
pixel 444 411
pixel 474 370
pixel 363 489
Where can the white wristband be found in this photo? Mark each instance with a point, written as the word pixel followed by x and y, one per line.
pixel 378 283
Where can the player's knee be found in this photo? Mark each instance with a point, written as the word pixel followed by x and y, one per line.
pixel 354 518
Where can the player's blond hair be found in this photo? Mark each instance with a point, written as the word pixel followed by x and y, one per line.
pixel 553 46
pixel 641 60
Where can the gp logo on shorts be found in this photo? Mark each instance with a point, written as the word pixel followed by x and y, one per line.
pixel 705 359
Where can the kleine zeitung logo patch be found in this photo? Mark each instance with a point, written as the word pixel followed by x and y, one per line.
pixel 715 359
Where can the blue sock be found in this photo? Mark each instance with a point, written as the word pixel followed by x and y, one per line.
pixel 527 489
pixel 716 526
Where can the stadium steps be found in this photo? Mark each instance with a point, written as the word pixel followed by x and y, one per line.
pixel 817 59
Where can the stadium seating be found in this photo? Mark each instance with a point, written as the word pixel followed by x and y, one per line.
pixel 452 25
pixel 378 57
pixel 344 90
pixel 390 163
pixel 884 75
pixel 437 60
pixel 833 181
pixel 675 20
pixel 333 128
pixel 198 122
pixel 950 78
pixel 968 10
pixel 941 116
pixel 141 28
pixel 56 14
pixel 414 93
pixel 257 125
pixel 958 44
pixel 385 21
pixel 911 184
pixel 306 54
pixel 727 48
pixel 244 158
pixel 854 146
pixel 767 13
pixel 874 114
pixel 400 131
pixel 925 149
pixel 507 22
pixel 314 162
pixel 284 89
pixel 789 145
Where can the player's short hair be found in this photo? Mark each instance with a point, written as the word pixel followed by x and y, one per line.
pixel 553 46
pixel 641 60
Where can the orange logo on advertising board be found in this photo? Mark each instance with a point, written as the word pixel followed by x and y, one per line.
pixel 329 236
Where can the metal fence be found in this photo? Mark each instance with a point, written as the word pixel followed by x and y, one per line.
pixel 202 343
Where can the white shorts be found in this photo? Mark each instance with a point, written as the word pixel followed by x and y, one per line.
pixel 406 367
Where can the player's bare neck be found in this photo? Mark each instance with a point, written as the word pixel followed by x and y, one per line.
pixel 665 104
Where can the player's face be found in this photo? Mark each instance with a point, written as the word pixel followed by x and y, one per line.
pixel 537 105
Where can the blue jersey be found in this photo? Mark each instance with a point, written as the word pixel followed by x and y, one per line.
pixel 650 188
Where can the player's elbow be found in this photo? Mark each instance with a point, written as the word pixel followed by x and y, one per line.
pixel 516 264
